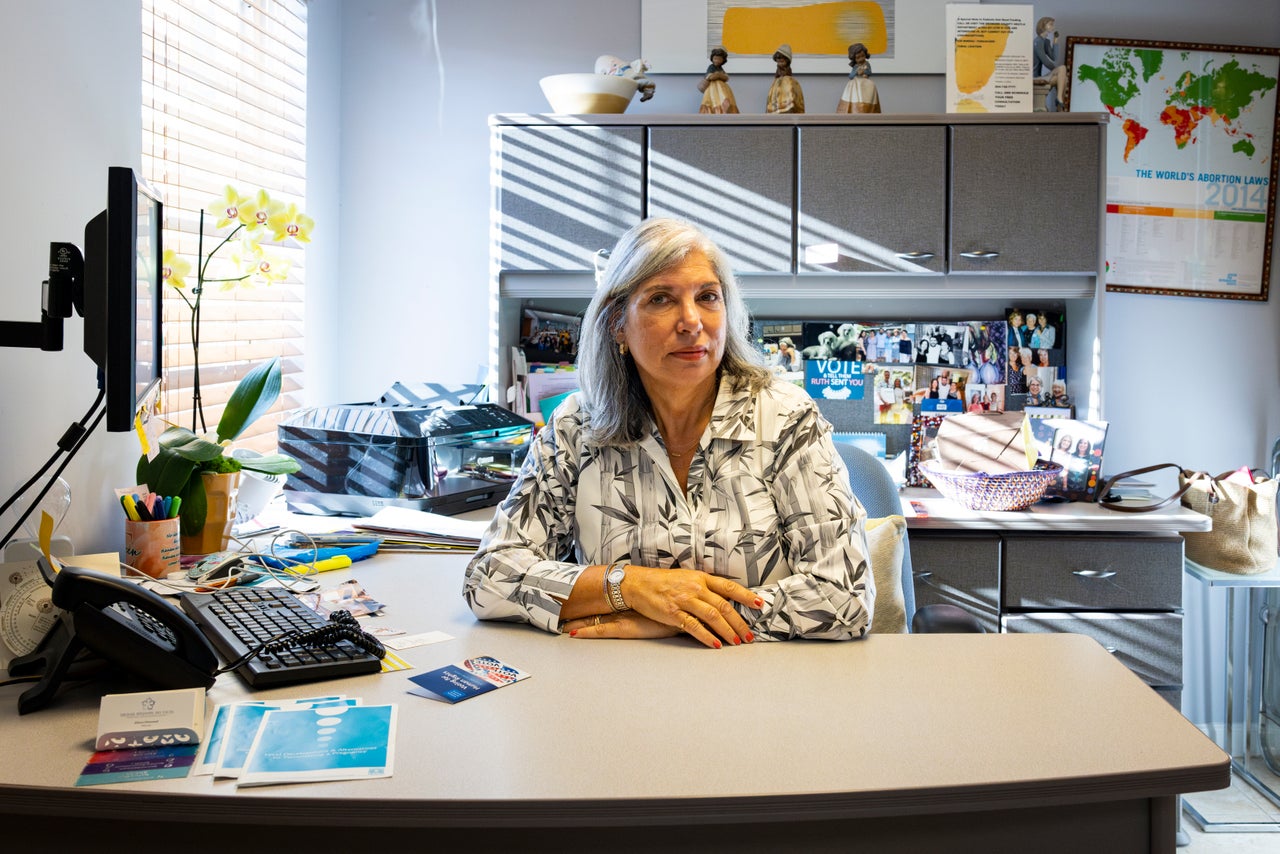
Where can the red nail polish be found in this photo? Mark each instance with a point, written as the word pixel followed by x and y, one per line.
pixel 573 634
pixel 717 644
pixel 736 640
pixel 759 603
pixel 750 637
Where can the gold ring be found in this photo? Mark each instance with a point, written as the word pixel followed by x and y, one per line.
pixel 597 622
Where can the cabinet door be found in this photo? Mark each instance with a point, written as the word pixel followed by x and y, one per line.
pixel 872 199
pixel 1024 198
pixel 736 183
pixel 958 569
pixel 565 192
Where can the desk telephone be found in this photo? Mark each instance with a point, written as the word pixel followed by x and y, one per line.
pixel 121 622
pixel 152 639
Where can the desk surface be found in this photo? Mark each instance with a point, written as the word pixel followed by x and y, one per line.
pixel 620 732
pixel 925 509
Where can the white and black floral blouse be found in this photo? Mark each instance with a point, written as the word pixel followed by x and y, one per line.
pixel 768 505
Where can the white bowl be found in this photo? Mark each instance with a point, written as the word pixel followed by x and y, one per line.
pixel 588 93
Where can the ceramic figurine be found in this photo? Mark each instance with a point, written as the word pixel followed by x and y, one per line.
pixel 1045 66
pixel 860 95
pixel 634 70
pixel 785 95
pixel 717 97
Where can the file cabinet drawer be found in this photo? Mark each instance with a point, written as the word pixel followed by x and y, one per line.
pixel 1136 573
pixel 1148 644
pixel 959 569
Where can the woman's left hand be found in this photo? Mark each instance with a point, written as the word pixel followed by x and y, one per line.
pixel 625 624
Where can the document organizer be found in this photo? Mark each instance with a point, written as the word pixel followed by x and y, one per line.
pixel 359 458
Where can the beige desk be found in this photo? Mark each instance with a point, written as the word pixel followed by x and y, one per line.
pixel 959 742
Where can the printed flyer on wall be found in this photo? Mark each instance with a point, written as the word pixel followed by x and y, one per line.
pixel 989 49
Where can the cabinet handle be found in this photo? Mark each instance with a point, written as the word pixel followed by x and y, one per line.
pixel 981 256
pixel 1094 573
pixel 1110 649
pixel 924 575
pixel 915 256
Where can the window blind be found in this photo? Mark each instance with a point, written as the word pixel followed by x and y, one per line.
pixel 224 103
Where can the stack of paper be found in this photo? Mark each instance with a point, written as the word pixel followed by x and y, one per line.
pixel 403 529
pixel 259 743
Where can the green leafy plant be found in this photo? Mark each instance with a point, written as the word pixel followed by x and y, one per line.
pixel 182 456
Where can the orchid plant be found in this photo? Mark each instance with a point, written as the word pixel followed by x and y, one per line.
pixel 255 218
pixel 182 456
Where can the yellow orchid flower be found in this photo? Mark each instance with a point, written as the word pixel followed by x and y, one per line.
pixel 229 207
pixel 291 223
pixel 271 270
pixel 176 269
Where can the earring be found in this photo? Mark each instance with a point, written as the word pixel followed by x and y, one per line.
pixel 622 348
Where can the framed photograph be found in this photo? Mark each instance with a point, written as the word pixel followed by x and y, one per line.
pixel 1191 162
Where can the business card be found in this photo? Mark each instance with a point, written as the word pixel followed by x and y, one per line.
pixel 468 678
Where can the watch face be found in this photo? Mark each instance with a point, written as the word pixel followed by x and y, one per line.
pixel 616 574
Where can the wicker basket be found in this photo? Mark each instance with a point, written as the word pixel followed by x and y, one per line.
pixel 1011 491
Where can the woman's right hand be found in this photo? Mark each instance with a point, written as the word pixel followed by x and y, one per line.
pixel 690 601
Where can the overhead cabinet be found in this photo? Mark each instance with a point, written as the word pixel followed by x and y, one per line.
pixel 736 183
pixel 563 192
pixel 808 194
pixel 1024 198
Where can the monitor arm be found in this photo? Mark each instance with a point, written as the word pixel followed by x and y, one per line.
pixel 63 290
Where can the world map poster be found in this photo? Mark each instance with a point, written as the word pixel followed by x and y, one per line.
pixel 1191 162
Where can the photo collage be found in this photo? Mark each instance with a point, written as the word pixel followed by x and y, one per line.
pixel 901 378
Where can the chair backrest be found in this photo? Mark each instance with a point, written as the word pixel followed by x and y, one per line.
pixel 875 488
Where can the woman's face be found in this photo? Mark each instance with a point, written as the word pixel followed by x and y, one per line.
pixel 1082 448
pixel 1064 444
pixel 674 326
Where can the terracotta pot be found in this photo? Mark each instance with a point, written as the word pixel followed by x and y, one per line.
pixel 220 491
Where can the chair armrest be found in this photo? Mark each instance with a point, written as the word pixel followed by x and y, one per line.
pixel 940 619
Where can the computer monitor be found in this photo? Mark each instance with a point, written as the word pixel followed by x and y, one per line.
pixel 122 300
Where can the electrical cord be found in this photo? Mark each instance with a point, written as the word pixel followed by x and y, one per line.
pixel 70 442
pixel 342 626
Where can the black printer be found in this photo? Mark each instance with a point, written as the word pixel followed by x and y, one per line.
pixel 359 458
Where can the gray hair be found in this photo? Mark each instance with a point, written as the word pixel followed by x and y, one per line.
pixel 612 392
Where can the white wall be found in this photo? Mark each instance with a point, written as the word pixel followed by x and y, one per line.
pixel 1191 381
pixel 72 108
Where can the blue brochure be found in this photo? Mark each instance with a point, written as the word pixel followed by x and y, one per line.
pixel 454 683
pixel 333 742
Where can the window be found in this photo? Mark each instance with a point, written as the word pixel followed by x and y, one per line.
pixel 224 102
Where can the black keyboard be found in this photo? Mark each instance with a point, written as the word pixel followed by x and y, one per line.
pixel 239 619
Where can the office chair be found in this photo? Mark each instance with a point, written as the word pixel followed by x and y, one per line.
pixel 875 488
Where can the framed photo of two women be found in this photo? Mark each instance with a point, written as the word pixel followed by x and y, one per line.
pixel 1191 162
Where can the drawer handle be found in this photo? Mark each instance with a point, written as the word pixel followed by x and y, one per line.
pixel 923 575
pixel 981 256
pixel 915 256
pixel 1110 649
pixel 1094 573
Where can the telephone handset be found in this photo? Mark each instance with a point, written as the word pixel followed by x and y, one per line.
pixel 121 622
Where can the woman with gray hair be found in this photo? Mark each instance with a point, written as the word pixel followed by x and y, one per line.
pixel 681 489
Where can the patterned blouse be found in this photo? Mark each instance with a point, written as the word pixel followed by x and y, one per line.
pixel 768 505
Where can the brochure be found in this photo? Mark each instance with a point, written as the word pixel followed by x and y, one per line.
pixel 454 683
pixel 337 742
pixel 242 728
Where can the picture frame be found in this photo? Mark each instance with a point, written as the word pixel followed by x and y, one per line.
pixel 1191 162
pixel 677 35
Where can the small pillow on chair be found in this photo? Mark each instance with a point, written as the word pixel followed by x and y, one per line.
pixel 884 541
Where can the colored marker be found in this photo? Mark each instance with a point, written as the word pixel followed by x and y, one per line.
pixel 177 503
pixel 126 501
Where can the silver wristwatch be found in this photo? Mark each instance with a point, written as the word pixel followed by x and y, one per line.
pixel 613 585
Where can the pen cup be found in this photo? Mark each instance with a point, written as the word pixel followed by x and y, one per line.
pixel 153 547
